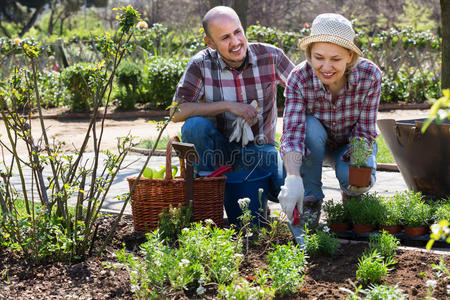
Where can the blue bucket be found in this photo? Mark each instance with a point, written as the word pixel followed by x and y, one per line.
pixel 236 188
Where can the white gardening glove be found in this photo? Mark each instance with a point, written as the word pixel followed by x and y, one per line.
pixel 242 130
pixel 291 195
pixel 238 125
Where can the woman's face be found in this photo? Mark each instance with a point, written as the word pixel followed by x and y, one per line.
pixel 329 62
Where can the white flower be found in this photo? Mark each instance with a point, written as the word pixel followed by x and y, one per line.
pixel 184 262
pixel 431 283
pixel 243 203
pixel 142 25
pixel 209 221
pixel 17 41
pixel 326 229
pixel 200 290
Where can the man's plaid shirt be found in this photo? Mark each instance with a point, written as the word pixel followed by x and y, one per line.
pixel 208 79
pixel 354 113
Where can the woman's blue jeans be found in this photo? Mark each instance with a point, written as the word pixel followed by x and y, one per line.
pixel 215 150
pixel 311 169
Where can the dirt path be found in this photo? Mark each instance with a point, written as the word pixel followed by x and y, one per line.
pixel 73 132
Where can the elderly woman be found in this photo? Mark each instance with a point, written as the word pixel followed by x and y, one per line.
pixel 331 97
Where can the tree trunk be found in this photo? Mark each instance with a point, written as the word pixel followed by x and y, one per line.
pixel 241 7
pixel 213 3
pixel 32 21
pixel 51 20
pixel 445 20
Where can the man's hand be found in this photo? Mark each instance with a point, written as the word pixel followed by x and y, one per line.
pixel 246 111
pixel 291 195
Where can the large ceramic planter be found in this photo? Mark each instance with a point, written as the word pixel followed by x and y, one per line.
pixel 415 230
pixel 423 159
pixel 363 228
pixel 339 227
pixel 359 176
pixel 393 229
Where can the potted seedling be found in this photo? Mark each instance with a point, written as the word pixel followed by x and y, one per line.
pixel 358 171
pixel 336 216
pixel 416 218
pixel 390 216
pixel 364 213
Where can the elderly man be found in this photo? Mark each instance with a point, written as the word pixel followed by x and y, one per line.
pixel 227 98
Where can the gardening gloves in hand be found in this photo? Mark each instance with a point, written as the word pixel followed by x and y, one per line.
pixel 242 129
pixel 291 195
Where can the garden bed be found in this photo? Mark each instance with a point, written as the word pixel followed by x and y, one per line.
pixel 105 278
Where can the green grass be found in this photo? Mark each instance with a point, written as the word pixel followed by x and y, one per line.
pixel 384 155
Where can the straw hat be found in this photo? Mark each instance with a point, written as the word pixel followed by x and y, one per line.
pixel 331 28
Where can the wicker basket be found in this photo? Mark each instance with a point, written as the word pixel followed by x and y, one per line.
pixel 151 196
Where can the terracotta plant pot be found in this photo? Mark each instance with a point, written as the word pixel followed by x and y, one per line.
pixel 363 228
pixel 359 176
pixel 392 229
pixel 415 230
pixel 339 227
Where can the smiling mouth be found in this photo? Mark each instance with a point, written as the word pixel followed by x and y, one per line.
pixel 328 74
pixel 236 50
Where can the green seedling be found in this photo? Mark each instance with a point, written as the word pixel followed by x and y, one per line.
pixel 158 174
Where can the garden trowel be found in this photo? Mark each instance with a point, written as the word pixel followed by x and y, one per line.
pixel 297 228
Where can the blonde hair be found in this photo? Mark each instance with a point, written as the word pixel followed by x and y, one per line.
pixel 348 68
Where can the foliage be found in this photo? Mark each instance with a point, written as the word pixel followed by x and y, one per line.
pixel 360 151
pixel 375 292
pixel 321 242
pixel 438 231
pixel 335 213
pixel 366 210
pixel 83 81
pixel 439 111
pixel 442 212
pixel 172 221
pixel 372 267
pixel 286 265
pixel 59 230
pixel 129 79
pixel 206 254
pixel 241 289
pixel 417 214
pixel 385 244
pixel 391 214
pixel 162 77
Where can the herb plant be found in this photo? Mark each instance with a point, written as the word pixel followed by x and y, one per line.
pixel 366 210
pixel 391 213
pixel 385 244
pixel 321 242
pixel 372 267
pixel 335 213
pixel 286 266
pixel 417 214
pixel 360 151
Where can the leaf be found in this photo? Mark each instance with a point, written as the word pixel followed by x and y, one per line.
pixel 148 173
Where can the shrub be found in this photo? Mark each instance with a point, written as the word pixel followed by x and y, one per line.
pixel 391 214
pixel 442 213
pixel 82 81
pixel 129 79
pixel 417 214
pixel 162 77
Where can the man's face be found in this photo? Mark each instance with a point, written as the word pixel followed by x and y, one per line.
pixel 226 35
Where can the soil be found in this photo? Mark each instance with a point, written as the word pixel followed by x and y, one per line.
pixel 94 278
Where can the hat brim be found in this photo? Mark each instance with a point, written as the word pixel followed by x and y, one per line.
pixel 328 38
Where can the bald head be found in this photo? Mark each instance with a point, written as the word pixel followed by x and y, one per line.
pixel 217 12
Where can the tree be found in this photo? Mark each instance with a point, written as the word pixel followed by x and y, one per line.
pixel 24 12
pixel 445 19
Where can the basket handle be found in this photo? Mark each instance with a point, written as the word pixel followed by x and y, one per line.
pixel 169 159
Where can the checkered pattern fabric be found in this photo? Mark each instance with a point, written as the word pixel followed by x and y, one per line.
pixel 208 79
pixel 354 113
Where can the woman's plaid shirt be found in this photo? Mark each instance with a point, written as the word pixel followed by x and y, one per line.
pixel 354 113
pixel 208 79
